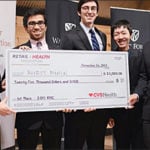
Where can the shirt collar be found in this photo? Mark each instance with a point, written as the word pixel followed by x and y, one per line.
pixel 34 42
pixel 85 28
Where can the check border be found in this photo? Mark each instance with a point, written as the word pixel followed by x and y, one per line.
pixel 66 72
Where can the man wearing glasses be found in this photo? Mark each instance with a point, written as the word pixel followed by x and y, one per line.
pixel 48 123
pixel 87 125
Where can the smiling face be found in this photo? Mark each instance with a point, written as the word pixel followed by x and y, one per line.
pixel 36 27
pixel 88 13
pixel 122 37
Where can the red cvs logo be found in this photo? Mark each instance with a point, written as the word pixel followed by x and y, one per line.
pixel 98 94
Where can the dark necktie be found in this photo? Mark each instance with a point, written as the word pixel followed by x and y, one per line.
pixel 39 45
pixel 94 41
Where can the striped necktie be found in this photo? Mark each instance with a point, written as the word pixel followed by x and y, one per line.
pixel 94 41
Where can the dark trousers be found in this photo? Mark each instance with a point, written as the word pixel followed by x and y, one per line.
pixel 146 133
pixel 28 139
pixel 128 131
pixel 90 129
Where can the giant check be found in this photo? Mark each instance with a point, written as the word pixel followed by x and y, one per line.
pixel 56 79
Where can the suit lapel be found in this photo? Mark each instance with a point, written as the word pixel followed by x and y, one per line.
pixel 83 38
pixel 28 43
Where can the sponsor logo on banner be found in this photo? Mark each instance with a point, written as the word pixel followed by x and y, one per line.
pixel 134 38
pixel 135 35
pixel 69 26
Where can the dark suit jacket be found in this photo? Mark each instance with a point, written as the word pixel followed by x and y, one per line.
pixel 138 82
pixel 137 72
pixel 146 106
pixel 76 39
pixel 33 120
pixel 138 79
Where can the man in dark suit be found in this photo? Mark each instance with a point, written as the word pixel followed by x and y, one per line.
pixel 85 125
pixel 146 105
pixel 48 123
pixel 128 122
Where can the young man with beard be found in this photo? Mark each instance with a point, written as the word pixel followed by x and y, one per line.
pixel 48 123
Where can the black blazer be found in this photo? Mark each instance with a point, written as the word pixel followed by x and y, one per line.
pixel 138 82
pixel 146 106
pixel 138 79
pixel 52 119
pixel 28 43
pixel 76 39
pixel 137 72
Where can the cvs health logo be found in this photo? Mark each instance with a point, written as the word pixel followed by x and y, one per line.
pixel 96 94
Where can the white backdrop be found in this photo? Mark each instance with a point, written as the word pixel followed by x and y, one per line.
pixel 7 40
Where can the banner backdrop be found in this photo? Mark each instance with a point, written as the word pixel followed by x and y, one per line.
pixel 7 40
pixel 7 28
pixel 140 21
pixel 62 16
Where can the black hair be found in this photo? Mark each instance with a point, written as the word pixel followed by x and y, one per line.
pixel 81 2
pixel 32 12
pixel 119 23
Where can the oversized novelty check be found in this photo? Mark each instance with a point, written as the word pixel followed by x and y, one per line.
pixel 56 79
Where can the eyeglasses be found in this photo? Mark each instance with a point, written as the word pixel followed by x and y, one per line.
pixel 87 8
pixel 33 23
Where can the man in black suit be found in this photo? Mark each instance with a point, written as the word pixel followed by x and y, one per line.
pixel 128 122
pixel 48 123
pixel 85 125
pixel 146 105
